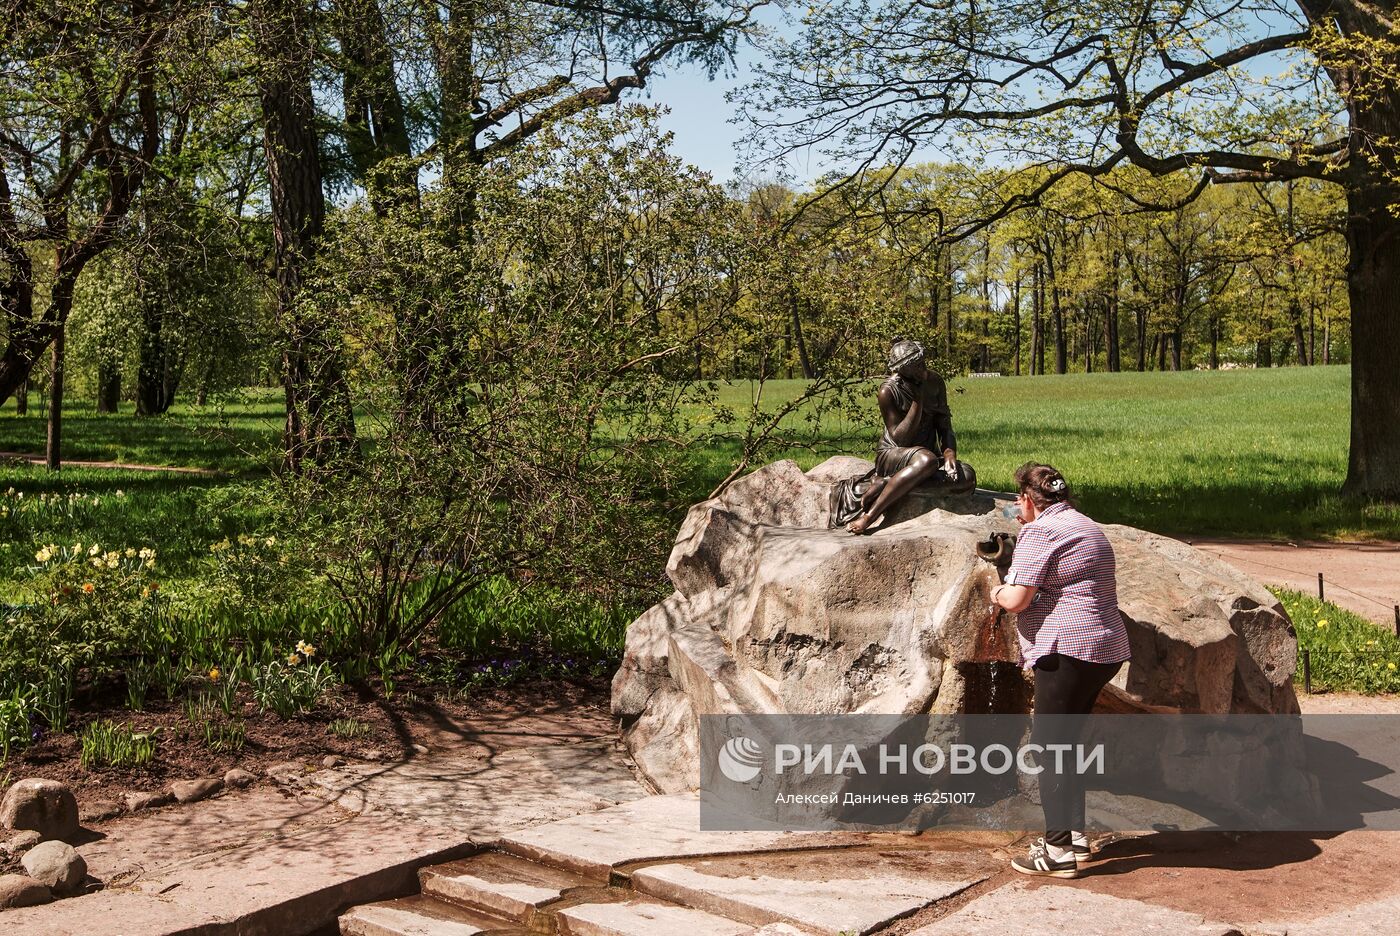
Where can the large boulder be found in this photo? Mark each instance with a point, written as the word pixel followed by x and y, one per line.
pixel 45 806
pixel 775 613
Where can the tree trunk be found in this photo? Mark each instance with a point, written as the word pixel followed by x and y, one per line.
pixel 807 371
pixel 376 126
pixel 1115 363
pixel 1016 322
pixel 320 424
pixel 1300 346
pixel 22 395
pixel 53 451
pixel 1141 316
pixel 948 275
pixel 1312 333
pixel 1176 348
pixel 109 387
pixel 1373 286
pixel 150 367
pixel 1037 327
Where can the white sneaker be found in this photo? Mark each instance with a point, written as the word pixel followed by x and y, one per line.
pixel 1079 844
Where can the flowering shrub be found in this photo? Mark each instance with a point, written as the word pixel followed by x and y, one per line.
pixel 85 608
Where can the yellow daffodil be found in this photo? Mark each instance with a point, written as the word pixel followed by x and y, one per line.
pixel 1390 666
pixel 293 659
pixel 214 674
pixel 1322 624
pixel 94 549
pixel 305 649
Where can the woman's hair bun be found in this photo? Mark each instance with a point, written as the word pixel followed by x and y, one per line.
pixel 1043 483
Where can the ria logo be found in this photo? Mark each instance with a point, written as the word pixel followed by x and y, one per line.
pixel 740 759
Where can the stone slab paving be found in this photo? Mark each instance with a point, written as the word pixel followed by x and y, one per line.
pixel 656 828
pixel 281 887
pixel 414 916
pixel 1048 910
pixel 501 884
pixel 551 781
pixel 828 892
pixel 642 917
pixel 1377 916
pixel 285 861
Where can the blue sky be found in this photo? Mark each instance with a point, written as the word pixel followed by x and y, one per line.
pixel 699 118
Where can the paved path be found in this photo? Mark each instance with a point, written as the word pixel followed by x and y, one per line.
pixel 1361 577
pixel 284 860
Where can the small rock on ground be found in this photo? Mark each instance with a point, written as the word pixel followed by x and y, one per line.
pixel 45 806
pixel 56 866
pixel 139 801
pixel 330 760
pixel 100 810
pixel 20 843
pixel 189 791
pixel 238 778
pixel 18 890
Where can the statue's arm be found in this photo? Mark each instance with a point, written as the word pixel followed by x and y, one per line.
pixel 944 424
pixel 903 427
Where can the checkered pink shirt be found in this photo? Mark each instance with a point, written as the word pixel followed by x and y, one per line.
pixel 1068 559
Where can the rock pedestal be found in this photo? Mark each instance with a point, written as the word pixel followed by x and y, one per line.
pixel 775 613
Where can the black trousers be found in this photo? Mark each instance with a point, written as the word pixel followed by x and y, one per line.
pixel 1064 685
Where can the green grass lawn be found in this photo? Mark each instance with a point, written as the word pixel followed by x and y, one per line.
pixel 1347 653
pixel 1251 453
pixel 1230 453
pixel 236 435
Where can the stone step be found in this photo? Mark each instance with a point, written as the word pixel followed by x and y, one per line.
pixel 419 916
pixel 830 893
pixel 500 884
pixel 643 917
pixel 651 829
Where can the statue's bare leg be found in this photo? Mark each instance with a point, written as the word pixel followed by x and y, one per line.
pixel 920 467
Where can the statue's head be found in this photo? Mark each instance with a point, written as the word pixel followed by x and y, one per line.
pixel 907 359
